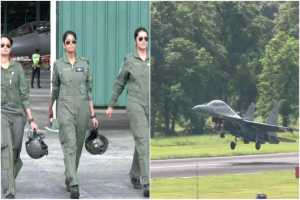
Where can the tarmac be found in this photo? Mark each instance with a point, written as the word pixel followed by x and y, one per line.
pixel 100 176
pixel 190 167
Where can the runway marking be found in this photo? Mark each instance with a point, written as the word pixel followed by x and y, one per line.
pixel 227 157
pixel 181 166
pixel 189 177
pixel 219 166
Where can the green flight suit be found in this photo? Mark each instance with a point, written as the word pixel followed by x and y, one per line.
pixel 14 102
pixel 135 73
pixel 72 90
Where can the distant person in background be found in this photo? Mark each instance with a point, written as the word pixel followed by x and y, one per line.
pixel 36 68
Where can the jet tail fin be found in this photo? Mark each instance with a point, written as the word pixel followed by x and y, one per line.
pixel 273 116
pixel 249 115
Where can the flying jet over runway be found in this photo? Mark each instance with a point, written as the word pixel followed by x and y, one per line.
pixel 227 120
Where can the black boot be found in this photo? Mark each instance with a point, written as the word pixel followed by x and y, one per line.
pixel 67 182
pixel 74 190
pixel 146 190
pixel 136 183
pixel 10 196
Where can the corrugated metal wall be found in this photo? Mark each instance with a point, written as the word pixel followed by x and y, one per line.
pixel 104 35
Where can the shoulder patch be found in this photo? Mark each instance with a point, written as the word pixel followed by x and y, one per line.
pixel 59 60
pixel 85 59
pixel 128 58
pixel 18 65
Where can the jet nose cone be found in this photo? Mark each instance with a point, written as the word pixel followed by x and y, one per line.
pixel 199 107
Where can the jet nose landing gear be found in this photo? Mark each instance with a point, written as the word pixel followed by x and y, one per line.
pixel 232 145
pixel 257 145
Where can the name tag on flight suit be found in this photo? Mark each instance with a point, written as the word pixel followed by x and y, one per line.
pixel 79 69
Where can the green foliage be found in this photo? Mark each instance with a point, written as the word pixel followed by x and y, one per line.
pixel 211 50
pixel 280 184
pixel 278 80
pixel 287 19
pixel 212 145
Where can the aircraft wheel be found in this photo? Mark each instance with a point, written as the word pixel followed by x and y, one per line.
pixel 232 145
pixel 257 145
pixel 222 135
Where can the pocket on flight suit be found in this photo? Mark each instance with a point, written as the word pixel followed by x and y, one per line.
pixel 81 74
pixel 83 90
pixel 60 121
pixel 134 114
pixel 66 79
pixel 4 143
pixel 4 132
pixel 65 75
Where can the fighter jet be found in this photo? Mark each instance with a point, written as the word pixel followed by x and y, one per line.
pixel 226 119
pixel 29 37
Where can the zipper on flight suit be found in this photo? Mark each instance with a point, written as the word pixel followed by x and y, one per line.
pixel 11 77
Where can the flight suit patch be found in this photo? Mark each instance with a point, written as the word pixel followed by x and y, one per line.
pixel 79 69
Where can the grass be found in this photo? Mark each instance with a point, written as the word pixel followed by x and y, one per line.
pixel 276 184
pixel 213 145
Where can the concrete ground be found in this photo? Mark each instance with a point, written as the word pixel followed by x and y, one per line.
pixel 101 176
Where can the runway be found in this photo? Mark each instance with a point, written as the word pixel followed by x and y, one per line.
pixel 223 165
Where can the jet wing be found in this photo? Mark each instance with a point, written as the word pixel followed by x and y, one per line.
pixel 267 127
pixel 231 118
pixel 281 139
